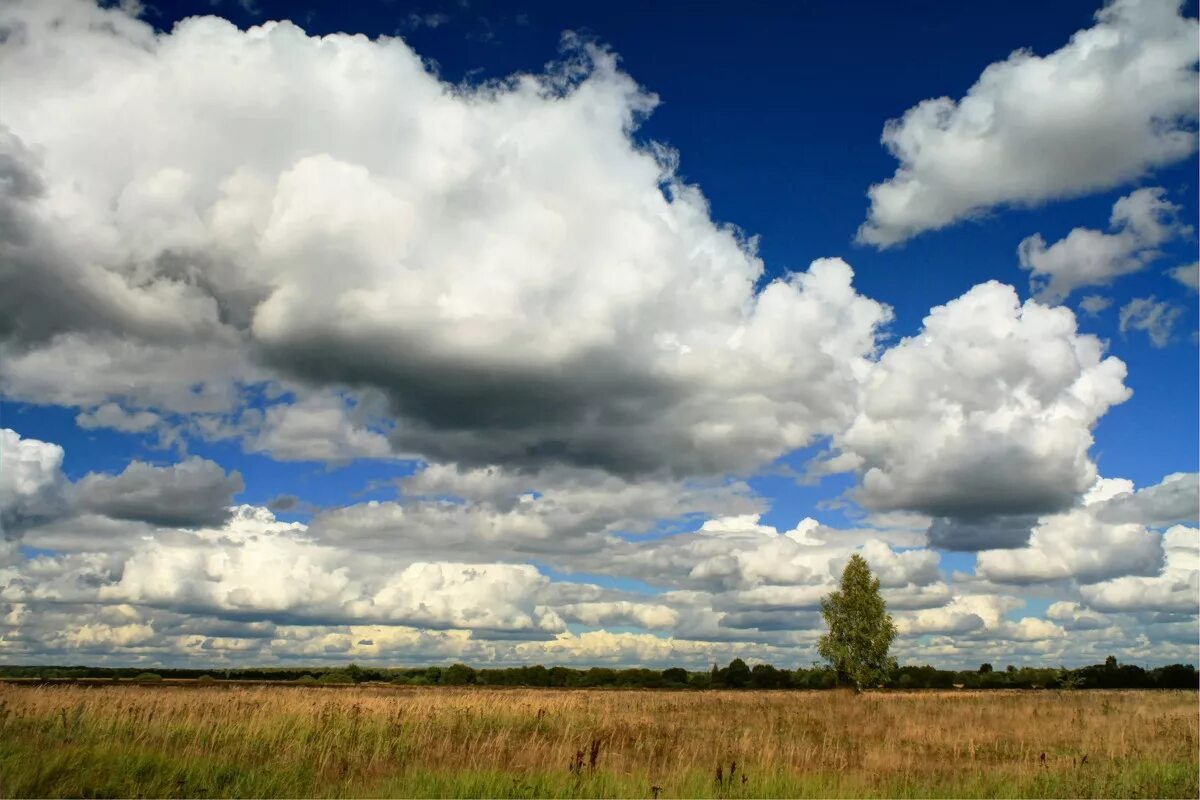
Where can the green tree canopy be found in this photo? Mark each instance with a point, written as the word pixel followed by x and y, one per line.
pixel 860 629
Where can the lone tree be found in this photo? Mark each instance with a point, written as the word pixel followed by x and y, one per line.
pixel 860 629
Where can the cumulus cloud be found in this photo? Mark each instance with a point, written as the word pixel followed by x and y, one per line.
pixel 1078 545
pixel 318 428
pixel 31 479
pixel 521 281
pixel 1175 589
pixel 1155 318
pixel 1140 222
pixel 1175 499
pixel 561 514
pixel 1073 616
pixel 1116 101
pixel 987 412
pixel 111 415
pixel 192 493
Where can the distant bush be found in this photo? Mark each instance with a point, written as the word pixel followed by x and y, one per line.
pixel 148 677
pixel 206 679
pixel 335 678
pixel 457 675
pixel 307 680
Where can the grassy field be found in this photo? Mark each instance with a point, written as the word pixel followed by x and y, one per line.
pixel 200 741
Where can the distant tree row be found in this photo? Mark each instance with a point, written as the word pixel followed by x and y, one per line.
pixel 736 675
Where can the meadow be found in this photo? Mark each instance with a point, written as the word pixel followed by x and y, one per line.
pixel 364 741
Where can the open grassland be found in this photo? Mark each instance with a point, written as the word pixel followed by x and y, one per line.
pixel 440 742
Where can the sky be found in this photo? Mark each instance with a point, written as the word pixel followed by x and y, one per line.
pixel 588 334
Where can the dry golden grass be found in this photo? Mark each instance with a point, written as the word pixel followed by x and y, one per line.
pixel 292 741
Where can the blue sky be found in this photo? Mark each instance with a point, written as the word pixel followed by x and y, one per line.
pixel 340 364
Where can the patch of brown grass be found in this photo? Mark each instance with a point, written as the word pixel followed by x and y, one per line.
pixel 542 742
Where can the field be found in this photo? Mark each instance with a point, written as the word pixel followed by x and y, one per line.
pixel 199 741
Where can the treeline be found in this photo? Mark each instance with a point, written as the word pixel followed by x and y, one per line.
pixel 737 675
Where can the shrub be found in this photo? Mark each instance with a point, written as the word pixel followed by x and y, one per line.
pixel 459 675
pixel 330 678
pixel 148 677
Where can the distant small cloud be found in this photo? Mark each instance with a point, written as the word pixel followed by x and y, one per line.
pixel 435 19
pixel 1156 319
pixel 284 502
pixel 1188 275
pixel 1093 304
pixel 1140 222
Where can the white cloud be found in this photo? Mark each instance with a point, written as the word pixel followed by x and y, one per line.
pixel 1093 304
pixel 317 428
pixel 520 280
pixel 1073 616
pixel 31 479
pixel 1140 222
pixel 1155 318
pixel 111 415
pixel 1188 275
pixel 1175 589
pixel 1114 102
pixel 1175 499
pixel 499 597
pixel 987 411
pixel 1077 545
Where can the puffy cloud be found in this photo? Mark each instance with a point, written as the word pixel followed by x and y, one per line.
pixel 1075 617
pixel 1156 319
pixel 317 428
pixel 987 412
pixel 560 514
pixel 979 616
pixel 1175 589
pixel 521 281
pixel 1112 103
pixel 1175 499
pixel 111 415
pixel 31 479
pixel 498 597
pixel 1078 545
pixel 89 371
pixel 192 493
pixel 254 566
pixel 621 612
pixel 1140 222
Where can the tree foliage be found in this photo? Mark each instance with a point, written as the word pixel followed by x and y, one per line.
pixel 860 629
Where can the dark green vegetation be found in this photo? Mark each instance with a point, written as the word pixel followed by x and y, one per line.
pixel 737 675
pixel 860 635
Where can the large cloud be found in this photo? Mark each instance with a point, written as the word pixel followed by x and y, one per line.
pixel 1114 102
pixel 986 413
pixel 521 281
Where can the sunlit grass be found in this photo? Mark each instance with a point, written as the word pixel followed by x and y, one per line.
pixel 221 741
